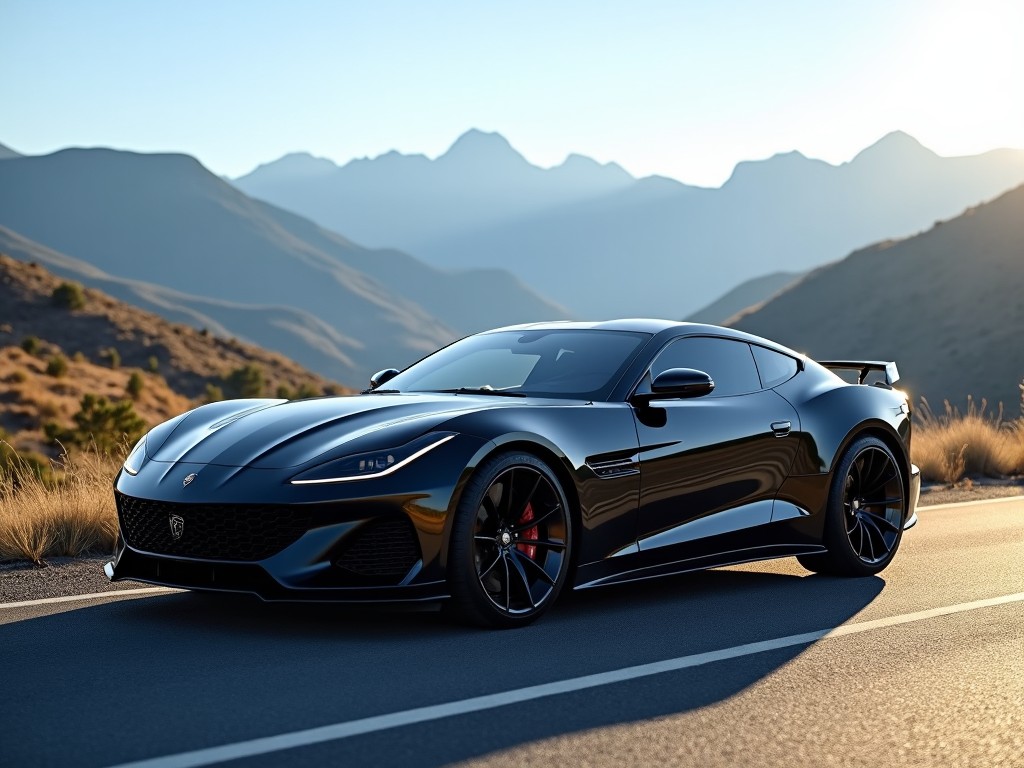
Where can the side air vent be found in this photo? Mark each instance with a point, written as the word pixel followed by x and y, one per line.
pixel 615 467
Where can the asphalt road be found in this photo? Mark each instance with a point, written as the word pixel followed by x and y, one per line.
pixel 924 667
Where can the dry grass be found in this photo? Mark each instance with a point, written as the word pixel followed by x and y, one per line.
pixel 949 445
pixel 68 514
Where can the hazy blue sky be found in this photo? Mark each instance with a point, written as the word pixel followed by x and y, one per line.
pixel 685 89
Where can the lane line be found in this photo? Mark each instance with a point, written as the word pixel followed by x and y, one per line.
pixel 982 502
pixel 92 596
pixel 326 733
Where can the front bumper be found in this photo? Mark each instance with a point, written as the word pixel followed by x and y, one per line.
pixel 261 579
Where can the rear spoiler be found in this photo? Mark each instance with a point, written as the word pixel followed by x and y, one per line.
pixel 864 367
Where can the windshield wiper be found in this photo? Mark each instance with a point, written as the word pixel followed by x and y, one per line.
pixel 480 391
pixel 381 392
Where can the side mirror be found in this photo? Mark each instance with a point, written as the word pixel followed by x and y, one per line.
pixel 677 384
pixel 382 377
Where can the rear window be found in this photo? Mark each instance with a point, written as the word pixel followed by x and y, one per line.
pixel 773 367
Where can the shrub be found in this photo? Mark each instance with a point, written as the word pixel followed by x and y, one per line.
pixel 213 394
pixel 57 367
pixel 68 296
pixel 949 445
pixel 18 377
pixel 153 364
pixel 30 344
pixel 307 389
pixel 113 357
pixel 79 356
pixel 135 385
pixel 284 392
pixel 246 381
pixel 59 509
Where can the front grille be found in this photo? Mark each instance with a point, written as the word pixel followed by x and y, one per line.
pixel 211 531
pixel 381 548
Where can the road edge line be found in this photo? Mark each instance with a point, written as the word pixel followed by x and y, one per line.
pixel 91 596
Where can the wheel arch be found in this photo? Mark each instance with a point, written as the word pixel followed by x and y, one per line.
pixel 546 452
pixel 884 432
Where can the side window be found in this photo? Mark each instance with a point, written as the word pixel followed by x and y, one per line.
pixel 773 366
pixel 729 363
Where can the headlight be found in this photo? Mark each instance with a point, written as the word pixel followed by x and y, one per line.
pixel 364 466
pixel 133 463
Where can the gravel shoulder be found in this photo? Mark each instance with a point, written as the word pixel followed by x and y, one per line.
pixel 62 576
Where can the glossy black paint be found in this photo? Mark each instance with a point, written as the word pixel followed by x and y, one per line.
pixel 657 486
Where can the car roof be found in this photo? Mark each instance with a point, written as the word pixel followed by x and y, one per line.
pixel 652 326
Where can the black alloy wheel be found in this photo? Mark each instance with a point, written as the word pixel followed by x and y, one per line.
pixel 511 543
pixel 866 512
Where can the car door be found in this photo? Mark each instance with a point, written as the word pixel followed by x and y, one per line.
pixel 710 466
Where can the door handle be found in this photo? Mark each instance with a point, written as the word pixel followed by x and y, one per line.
pixel 781 428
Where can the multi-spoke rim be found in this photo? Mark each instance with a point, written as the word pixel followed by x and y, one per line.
pixel 873 505
pixel 519 540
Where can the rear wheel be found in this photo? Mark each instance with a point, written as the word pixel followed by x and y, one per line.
pixel 865 514
pixel 511 541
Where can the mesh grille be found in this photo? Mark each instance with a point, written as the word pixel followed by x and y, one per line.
pixel 381 548
pixel 211 531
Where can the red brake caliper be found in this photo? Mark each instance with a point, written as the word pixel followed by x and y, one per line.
pixel 530 550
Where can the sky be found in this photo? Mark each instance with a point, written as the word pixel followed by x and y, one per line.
pixel 676 88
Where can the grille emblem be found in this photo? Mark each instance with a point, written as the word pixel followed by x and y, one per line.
pixel 177 525
pixel 188 479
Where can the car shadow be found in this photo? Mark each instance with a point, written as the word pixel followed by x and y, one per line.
pixel 170 666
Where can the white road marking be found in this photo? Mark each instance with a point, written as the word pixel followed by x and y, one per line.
pixel 92 596
pixel 983 502
pixel 270 744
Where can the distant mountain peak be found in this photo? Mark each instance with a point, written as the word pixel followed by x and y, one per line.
pixel 295 165
pixel 894 145
pixel 480 146
pixel 790 162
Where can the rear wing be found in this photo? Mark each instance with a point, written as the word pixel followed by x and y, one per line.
pixel 864 368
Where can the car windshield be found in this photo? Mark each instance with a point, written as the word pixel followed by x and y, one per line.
pixel 571 364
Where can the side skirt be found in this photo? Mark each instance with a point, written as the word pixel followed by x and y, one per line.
pixel 702 563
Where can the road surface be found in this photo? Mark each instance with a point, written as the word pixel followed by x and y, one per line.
pixel 754 665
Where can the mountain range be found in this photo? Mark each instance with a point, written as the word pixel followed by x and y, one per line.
pixel 946 305
pixel 163 228
pixel 604 244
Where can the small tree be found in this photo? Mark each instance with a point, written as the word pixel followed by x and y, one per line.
pixel 113 357
pixel 68 296
pixel 58 366
pixel 284 392
pixel 154 364
pixel 135 385
pixel 30 344
pixel 108 425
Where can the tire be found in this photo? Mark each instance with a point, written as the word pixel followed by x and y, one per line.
pixel 511 543
pixel 865 513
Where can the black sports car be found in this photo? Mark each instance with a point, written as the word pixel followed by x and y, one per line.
pixel 495 471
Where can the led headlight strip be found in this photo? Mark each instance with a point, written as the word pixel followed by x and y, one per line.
pixel 393 468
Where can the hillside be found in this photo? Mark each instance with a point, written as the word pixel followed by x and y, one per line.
pixel 946 305
pixel 7 153
pixel 176 362
pixel 743 296
pixel 615 246
pixel 166 220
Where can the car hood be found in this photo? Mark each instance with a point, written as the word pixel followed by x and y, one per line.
pixel 278 434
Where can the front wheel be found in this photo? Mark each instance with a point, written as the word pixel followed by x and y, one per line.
pixel 865 514
pixel 511 543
